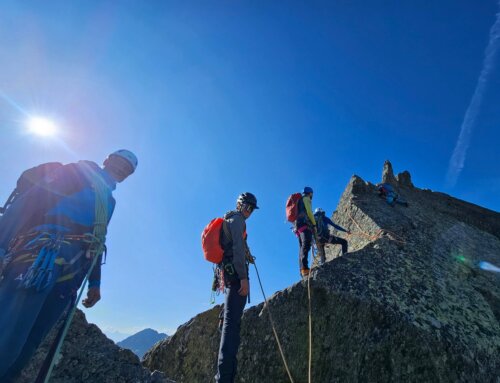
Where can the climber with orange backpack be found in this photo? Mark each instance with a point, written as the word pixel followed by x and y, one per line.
pixel 224 241
pixel 299 211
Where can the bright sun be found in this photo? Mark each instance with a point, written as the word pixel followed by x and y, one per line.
pixel 42 126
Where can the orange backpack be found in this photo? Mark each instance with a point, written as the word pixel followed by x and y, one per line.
pixel 292 207
pixel 210 241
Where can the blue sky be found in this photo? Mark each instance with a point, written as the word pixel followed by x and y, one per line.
pixel 221 97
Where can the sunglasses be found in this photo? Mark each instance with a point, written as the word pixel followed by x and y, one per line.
pixel 249 208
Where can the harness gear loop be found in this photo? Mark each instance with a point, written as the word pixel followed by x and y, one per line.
pixel 266 304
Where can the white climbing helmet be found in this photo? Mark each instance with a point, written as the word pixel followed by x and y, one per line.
pixel 127 155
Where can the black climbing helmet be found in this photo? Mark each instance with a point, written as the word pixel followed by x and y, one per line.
pixel 307 190
pixel 247 199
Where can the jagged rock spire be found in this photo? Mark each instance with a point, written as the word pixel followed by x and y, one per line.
pixel 404 179
pixel 388 174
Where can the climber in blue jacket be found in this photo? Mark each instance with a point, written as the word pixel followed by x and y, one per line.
pixel 49 238
pixel 324 235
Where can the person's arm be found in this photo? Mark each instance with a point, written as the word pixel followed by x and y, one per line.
pixel 95 275
pixel 237 228
pixel 94 290
pixel 309 212
pixel 339 228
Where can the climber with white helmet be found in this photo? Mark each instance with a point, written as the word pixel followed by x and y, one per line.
pixel 323 226
pixel 52 239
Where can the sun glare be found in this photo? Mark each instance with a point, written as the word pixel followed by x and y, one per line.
pixel 42 126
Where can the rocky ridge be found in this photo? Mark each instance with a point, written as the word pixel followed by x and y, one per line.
pixel 409 301
pixel 87 355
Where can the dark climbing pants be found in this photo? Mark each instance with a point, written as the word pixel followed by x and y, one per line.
pixel 305 240
pixel 27 315
pixel 230 339
pixel 26 318
pixel 332 240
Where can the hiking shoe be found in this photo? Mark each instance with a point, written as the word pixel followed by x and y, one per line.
pixel 304 273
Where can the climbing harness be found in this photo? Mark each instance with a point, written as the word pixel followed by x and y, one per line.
pixel 96 248
pixel 40 274
pixel 266 305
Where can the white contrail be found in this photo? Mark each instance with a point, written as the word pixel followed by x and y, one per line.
pixel 457 159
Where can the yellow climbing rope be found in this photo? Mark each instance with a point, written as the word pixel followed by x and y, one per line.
pixel 309 306
pixel 379 234
pixel 266 305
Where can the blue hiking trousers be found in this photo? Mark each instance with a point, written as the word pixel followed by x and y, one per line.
pixel 25 319
pixel 27 315
pixel 234 305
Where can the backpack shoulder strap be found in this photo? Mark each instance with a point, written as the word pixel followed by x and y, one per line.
pixel 225 229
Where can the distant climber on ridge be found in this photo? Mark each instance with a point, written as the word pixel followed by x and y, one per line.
pixel 323 224
pixel 51 233
pixel 235 265
pixel 391 197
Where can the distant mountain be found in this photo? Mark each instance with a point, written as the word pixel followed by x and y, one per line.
pixel 142 341
pixel 115 336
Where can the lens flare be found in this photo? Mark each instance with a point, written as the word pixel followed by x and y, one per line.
pixel 489 267
pixel 42 126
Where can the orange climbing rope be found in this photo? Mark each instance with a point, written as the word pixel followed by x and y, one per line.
pixel 379 234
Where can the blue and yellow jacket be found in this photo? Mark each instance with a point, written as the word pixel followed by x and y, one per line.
pixel 305 216
pixel 62 206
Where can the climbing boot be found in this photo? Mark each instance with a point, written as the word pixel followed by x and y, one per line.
pixel 304 273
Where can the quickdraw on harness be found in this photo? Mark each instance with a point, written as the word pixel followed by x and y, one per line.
pixel 40 274
pixel 218 284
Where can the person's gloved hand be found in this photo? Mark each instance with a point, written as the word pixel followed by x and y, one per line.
pixel 93 296
pixel 245 288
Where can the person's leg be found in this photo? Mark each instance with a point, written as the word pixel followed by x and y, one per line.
pixel 50 313
pixel 321 252
pixel 306 239
pixel 18 314
pixel 338 241
pixel 230 339
pixel 300 251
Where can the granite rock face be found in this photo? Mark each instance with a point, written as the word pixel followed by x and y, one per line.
pixel 87 355
pixel 408 303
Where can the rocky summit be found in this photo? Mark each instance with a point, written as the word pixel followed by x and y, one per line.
pixel 412 301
